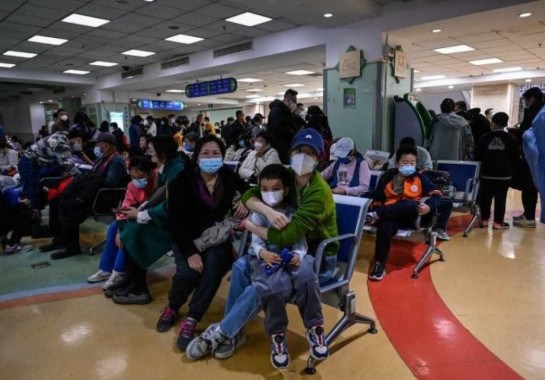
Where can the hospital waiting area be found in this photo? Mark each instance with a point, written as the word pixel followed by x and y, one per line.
pixel 304 189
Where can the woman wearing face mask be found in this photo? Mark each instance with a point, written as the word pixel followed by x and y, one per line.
pixel 348 175
pixel 142 185
pixel 399 201
pixel 257 159
pixel 189 141
pixel 198 199
pixel 145 236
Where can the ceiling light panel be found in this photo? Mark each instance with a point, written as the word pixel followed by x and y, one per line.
pixel 248 19
pixel 76 72
pixel 254 90
pixel 507 69
pixel 6 65
pixel 78 19
pixel 249 80
pixel 489 61
pixel 184 39
pixel 294 85
pixel 433 77
pixel 300 72
pixel 175 91
pixel 47 40
pixel 20 54
pixel 138 53
pixel 104 64
pixel 454 49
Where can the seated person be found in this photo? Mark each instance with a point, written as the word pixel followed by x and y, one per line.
pixel 78 155
pixel 15 143
pixel 189 142
pixel 260 157
pixel 238 149
pixel 398 201
pixel 314 218
pixel 276 287
pixel 9 159
pixel 68 211
pixel 48 157
pixel 197 200
pixel 112 262
pixel 348 175
pixel 18 220
pixel 423 158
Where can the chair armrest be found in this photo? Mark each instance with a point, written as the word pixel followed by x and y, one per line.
pixel 472 183
pixel 120 190
pixel 324 243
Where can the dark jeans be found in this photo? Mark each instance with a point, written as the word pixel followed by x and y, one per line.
pixel 135 275
pixel 391 218
pixel 31 174
pixel 444 211
pixel 18 222
pixel 216 262
pixel 493 189
pixel 65 217
pixel 529 202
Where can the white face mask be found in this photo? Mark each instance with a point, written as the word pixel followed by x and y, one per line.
pixel 302 163
pixel 64 117
pixel 145 123
pixel 258 146
pixel 292 107
pixel 272 198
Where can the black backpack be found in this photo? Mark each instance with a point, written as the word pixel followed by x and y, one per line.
pixel 442 180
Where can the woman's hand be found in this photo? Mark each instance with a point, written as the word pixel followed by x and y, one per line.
pixel 277 219
pixel 269 257
pixel 195 262
pixel 129 212
pixel 240 212
pixel 423 209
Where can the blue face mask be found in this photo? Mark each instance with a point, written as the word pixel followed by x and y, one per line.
pixel 407 170
pixel 241 143
pixel 140 183
pixel 210 165
pixel 188 147
pixel 97 152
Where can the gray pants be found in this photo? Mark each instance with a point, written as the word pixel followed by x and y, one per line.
pixel 276 289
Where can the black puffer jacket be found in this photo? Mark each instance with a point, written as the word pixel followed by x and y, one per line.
pixel 282 127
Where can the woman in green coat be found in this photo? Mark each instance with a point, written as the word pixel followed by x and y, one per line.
pixel 145 237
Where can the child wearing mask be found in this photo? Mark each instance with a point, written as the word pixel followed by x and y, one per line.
pixel 259 158
pixel 399 201
pixel 112 262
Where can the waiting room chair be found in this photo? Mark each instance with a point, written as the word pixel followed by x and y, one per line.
pixel 105 200
pixel 233 165
pixel 464 176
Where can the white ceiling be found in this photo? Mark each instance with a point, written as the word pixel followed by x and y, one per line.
pixel 519 42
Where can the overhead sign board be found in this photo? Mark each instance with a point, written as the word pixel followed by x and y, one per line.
pixel 165 105
pixel 213 87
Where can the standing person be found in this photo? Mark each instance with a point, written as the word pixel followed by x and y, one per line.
pixel 62 124
pixel 196 126
pixel 398 201
pixel 498 153
pixel 152 127
pixel 197 200
pixel 451 137
pixel 488 113
pixel 44 131
pixel 282 124
pixel 53 121
pixel 237 129
pixel 120 138
pixel 135 131
pixel 533 103
pixel 478 124
pixel 208 128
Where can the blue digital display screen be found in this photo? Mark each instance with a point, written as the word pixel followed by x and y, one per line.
pixel 148 104
pixel 213 87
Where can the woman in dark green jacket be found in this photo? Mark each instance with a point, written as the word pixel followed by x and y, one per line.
pixel 145 237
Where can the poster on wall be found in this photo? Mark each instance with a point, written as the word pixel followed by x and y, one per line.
pixel 349 97
pixel 400 64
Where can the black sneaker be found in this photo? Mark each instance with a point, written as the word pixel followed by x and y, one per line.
pixel 167 319
pixel 120 286
pixel 132 298
pixel 53 246
pixel 186 334
pixel 71 250
pixel 378 272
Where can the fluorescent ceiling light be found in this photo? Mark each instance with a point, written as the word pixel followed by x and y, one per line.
pixel 184 39
pixel 528 80
pixel 300 72
pixel 78 19
pixel 248 19
pixel 433 77
pixel 488 61
pixel 507 69
pixel 436 30
pixel 416 71
pixel 175 91
pixel 138 53
pixel 47 40
pixel 451 87
pixel 250 80
pixel 254 90
pixel 104 64
pixel 294 85
pixel 149 1
pixel 20 54
pixel 253 96
pixel 525 14
pixel 454 49
pixel 76 72
pixel 328 15
pixel 321 89
pixel 6 65
pixel 418 89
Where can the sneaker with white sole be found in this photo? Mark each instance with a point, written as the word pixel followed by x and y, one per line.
pixel 525 223
pixel 114 278
pixel 442 235
pixel 378 271
pixel 280 357
pixel 99 276
pixel 229 346
pixel 17 248
pixel 318 345
pixel 518 217
pixel 206 343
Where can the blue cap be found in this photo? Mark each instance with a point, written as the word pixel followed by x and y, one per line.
pixel 309 137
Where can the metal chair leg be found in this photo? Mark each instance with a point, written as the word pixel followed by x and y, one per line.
pixel 469 227
pixel 94 247
pixel 432 248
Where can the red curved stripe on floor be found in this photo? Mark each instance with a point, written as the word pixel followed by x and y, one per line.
pixel 427 336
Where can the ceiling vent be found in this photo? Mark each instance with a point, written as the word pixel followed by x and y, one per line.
pixel 130 73
pixel 175 63
pixel 246 46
